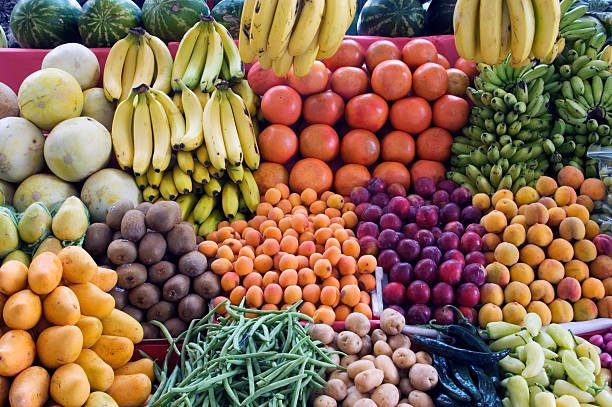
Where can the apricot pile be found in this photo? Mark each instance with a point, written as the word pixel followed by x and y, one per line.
pixel 541 256
pixel 298 247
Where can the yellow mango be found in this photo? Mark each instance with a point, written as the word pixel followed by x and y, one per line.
pixel 71 220
pixel 144 366
pixel 61 307
pixel 120 323
pixel 45 273
pixel 17 352
pixel 50 244
pixel 100 399
pixel 130 390
pixel 58 345
pixel 13 277
pixel 9 236
pixel 114 350
pixel 69 386
pixel 30 388
pixel 91 328
pixel 99 373
pixel 22 310
pixel 19 256
pixel 104 278
pixel 77 264
pixel 94 302
pixel 35 223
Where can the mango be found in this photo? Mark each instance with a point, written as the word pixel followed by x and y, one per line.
pixel 35 223
pixel 9 235
pixel 50 244
pixel 18 255
pixel 71 220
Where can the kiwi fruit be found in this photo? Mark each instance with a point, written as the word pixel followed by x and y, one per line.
pixel 160 272
pixel 175 326
pixel 117 235
pixel 121 297
pixel 150 331
pixel 162 311
pixel 207 285
pixel 116 212
pixel 191 307
pixel 144 207
pixel 163 215
pixel 103 261
pixel 176 288
pixel 181 239
pixel 122 251
pixel 192 264
pixel 133 225
pixel 135 313
pixel 145 296
pixel 152 248
pixel 97 239
pixel 131 275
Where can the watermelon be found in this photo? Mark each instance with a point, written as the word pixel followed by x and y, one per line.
pixel 45 23
pixel 439 17
pixel 170 19
pixel 391 18
pixel 104 22
pixel 228 12
pixel 3 41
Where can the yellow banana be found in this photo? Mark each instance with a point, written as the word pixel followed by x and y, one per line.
pixel 182 181
pixel 249 190
pixel 333 27
pixel 129 69
pixel 184 159
pixel 167 188
pixel 555 51
pixel 352 6
pixel 264 60
pixel 174 115
pixel 246 133
pixel 176 99
pixel 263 15
pixel 523 23
pixel 183 54
pixel 114 67
pixel 213 134
pixel 203 208
pixel 202 96
pixel 282 65
pixel 215 172
pixel 491 30
pixel 193 117
pixel 150 194
pixel 230 133
pixel 202 155
pixel 229 199
pixel 250 98
pixel 547 17
pixel 187 202
pixel 143 137
pixel 198 188
pixel 200 173
pixel 213 187
pixel 145 65
pixel 121 134
pixel 247 52
pixel 303 62
pixel 230 52
pixel 465 23
pixel 214 59
pixel 235 173
pixel 154 178
pixel 280 30
pixel 190 219
pixel 211 223
pixel 193 72
pixel 506 34
pixel 162 152
pixel 141 181
pixel 306 27
pixel 163 63
pixel 606 54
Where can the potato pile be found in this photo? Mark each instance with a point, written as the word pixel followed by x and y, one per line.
pixel 160 274
pixel 63 338
pixel 381 369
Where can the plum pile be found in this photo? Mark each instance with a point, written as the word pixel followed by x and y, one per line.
pixel 429 244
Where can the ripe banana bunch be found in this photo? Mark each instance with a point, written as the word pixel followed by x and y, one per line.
pixel 488 30
pixel 137 59
pixel 285 33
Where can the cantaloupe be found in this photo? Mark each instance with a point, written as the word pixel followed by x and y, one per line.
pixel 45 188
pixel 104 188
pixel 21 149
pixel 76 59
pixel 97 107
pixel 8 102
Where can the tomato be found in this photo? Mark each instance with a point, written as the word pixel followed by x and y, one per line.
pixel 469 67
pixel 350 53
pixel 430 81
pixel 325 107
pixel 451 112
pixel 419 51
pixel 277 143
pixel 412 115
pixel 349 81
pixel 368 111
pixel 392 79
pixel 281 105
pixel 381 51
pixel 314 81
pixel 360 147
pixel 260 80
pixel 319 141
pixel 398 146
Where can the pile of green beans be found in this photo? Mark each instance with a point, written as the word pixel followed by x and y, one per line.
pixel 268 361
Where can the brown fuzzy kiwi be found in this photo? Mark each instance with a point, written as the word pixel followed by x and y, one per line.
pixel 152 248
pixel 144 207
pixel 131 275
pixel 145 296
pixel 121 297
pixel 191 307
pixel 97 239
pixel 122 251
pixel 207 285
pixel 181 239
pixel 176 288
pixel 116 212
pixel 117 235
pixel 150 331
pixel 163 215
pixel 175 326
pixel 160 272
pixel 192 264
pixel 162 311
pixel 136 313
pixel 133 225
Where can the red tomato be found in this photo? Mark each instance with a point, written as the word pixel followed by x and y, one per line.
pixel 281 105
pixel 349 81
pixel 392 79
pixel 314 81
pixel 368 111
pixel 350 53
pixel 325 107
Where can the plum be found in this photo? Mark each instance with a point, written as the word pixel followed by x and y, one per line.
pixel 476 228
pixel 360 195
pixel 372 213
pixel 401 273
pixel 440 198
pixel 390 221
pixel 471 314
pixel 385 210
pixel 468 294
pixel 387 259
pixel 447 185
pixel 471 214
pixel 448 241
pixel 394 293
pixel 433 253
pixel 437 232
pixel 368 245
pixel 461 196
pixel 410 230
pixel 450 212
pixel 388 239
pixel 425 270
pixel 418 314
pixel 427 216
pixel 443 316
pixel 360 208
pixel 450 272
pixel 442 294
pixel 603 243
pixel 399 206
pixel 454 255
pixel 396 189
pixel 471 242
pixel 416 200
pixel 418 292
pixel 398 308
pixel 474 273
pixel 456 227
pixel 475 258
pixel 367 229
pixel 408 249
pixel 381 199
pixel 425 187
pixel 376 185
pixel 425 238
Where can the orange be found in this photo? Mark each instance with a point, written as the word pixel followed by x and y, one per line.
pixel 368 111
pixel 392 172
pixel 270 174
pixel 434 144
pixel 310 172
pixel 391 79
pixel 430 81
pixel 467 66
pixel 451 112
pixel 319 141
pixel 277 143
pixel 426 168
pixel 360 147
pixel 313 82
pixel 349 54
pixel 412 115
pixel 281 105
pixel 381 51
pixel 443 61
pixel 349 81
pixel 325 107
pixel 418 52
pixel 398 146
pixel 350 176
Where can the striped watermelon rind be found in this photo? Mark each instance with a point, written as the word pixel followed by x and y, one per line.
pixel 3 41
pixel 228 13
pixel 391 18
pixel 45 23
pixel 104 22
pixel 439 17
pixel 170 19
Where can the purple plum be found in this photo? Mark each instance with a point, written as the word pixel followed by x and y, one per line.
pixel 425 270
pixel 425 187
pixel 367 229
pixel 401 273
pixel 396 189
pixel 425 238
pixel 427 216
pixel 387 259
pixel 390 221
pixel 450 212
pixel 388 239
pixel 408 249
pixel 376 185
pixel 448 241
pixel 431 252
pixel 461 196
pixel 360 195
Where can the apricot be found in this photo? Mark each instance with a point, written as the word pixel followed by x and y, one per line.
pixel 526 195
pixel 578 211
pixel 593 288
pixel 585 250
pixel 561 311
pixel 519 292
pixel 540 235
pixel 520 220
pixel 569 289
pixel 576 269
pixel 585 201
pixel 542 310
pixel 501 194
pixel 591 229
pixel 555 216
pixel 536 213
pixel 514 234
pixel 542 290
pixel 572 228
pixel 548 202
pixel 570 176
pixel 522 209
pixel 546 186
pixel 565 196
pixel 532 255
pixel 507 207
pixel 514 313
pixel 498 273
pixel 601 267
pixel 481 201
pixel 489 257
pixel 490 241
pixel 522 273
pixel 560 249
pixel 594 188
pixel 604 307
pixel 585 310
pixel 489 313
pixel 608 285
pixel 491 293
pixel 506 253
pixel 494 222
pixel 551 270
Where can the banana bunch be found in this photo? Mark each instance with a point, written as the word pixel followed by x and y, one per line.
pixel 488 30
pixel 206 52
pixel 137 59
pixel 285 33
pixel 509 137
pixel 573 26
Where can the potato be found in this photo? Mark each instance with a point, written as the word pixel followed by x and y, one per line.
pixel 61 307
pixel 368 380
pixel 100 399
pixel 336 389
pixel 321 332
pixel 45 273
pixel 423 357
pixel 352 397
pixel 420 399
pixel 357 367
pixel 22 310
pixel 357 323
pixel 405 386
pixel 382 348
pixel 384 363
pixel 423 377
pixel 365 402
pixel 58 345
pixel 69 386
pixel 130 390
pixel 144 366
pixel 348 359
pixel 105 279
pixel 403 358
pixel 349 342
pixel 339 374
pixel 13 277
pixel 379 335
pixel 78 266
pixel 399 341
pixel 366 347
pixel 392 322
pixel 94 302
pixel 324 401
pixel 114 350
pixel 99 374
pixel 370 358
pixel 386 395
pixel 118 323
pixel 30 388
pixel 91 328
pixel 17 352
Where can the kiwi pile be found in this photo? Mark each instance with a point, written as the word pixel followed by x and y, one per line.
pixel 161 275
